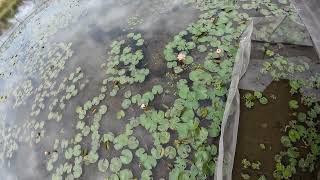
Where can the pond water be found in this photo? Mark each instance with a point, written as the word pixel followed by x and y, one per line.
pixel 120 89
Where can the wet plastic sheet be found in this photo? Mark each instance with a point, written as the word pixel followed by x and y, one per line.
pixel 309 11
pixel 287 29
pixel 229 126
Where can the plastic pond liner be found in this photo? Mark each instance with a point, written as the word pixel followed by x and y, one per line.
pixel 105 89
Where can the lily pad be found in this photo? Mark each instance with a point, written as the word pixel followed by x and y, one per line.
pixel 103 165
pixel 126 103
pixel 133 142
pixel 146 175
pixel 184 150
pixel 115 164
pixel 125 174
pixel 126 156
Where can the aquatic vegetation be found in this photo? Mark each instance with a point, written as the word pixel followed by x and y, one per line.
pixel 251 98
pixel 293 104
pixel 181 130
pixel 134 21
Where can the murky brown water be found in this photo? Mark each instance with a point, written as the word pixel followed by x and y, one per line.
pixel 264 124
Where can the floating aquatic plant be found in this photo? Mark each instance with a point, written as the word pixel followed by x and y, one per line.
pixel 103 165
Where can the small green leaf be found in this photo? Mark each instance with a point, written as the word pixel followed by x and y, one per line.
pixel 125 174
pixel 146 175
pixel 103 165
pixel 170 152
pixel 293 104
pixel 115 164
pixel 263 100
pixel 126 156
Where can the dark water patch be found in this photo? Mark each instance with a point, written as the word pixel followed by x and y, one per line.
pixel 264 124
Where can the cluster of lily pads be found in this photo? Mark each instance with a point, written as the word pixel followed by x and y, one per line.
pixel 141 100
pixel 251 98
pixel 279 67
pixel 134 21
pixel 266 7
pixel 122 67
pixel 254 166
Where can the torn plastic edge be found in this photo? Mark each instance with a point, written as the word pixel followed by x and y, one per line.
pixel 224 164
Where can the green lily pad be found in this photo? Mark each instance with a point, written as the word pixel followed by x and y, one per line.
pixel 157 89
pixel 184 150
pixel 114 177
pixel 108 137
pixel 164 137
pixel 103 165
pixel 170 152
pixel 133 142
pixel 115 164
pixel 263 100
pixel 127 94
pixel 146 175
pixel 126 156
pixel 125 174
pixel 202 48
pixel 68 153
pixel 77 171
pixel 77 150
pixel 120 114
pixel 126 103
pixel 157 152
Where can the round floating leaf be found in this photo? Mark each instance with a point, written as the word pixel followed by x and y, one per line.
pixel 87 105
pixel 140 42
pixel 140 152
pixel 157 89
pixel 77 171
pixel 146 175
pixel 86 131
pixel 78 138
pixel 103 165
pixel 157 152
pixel 77 150
pixel 164 137
pixel 263 100
pixel 188 60
pixel 202 48
pixel 130 35
pixel 133 142
pixel 184 150
pixel 293 104
pixel 93 157
pixel 108 137
pixel 127 94
pixel 125 174
pixel 103 109
pixel 257 94
pixel 114 177
pixel 115 164
pixel 170 152
pixel 120 114
pixel 68 153
pixel 126 157
pixel 302 117
pixel 126 103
